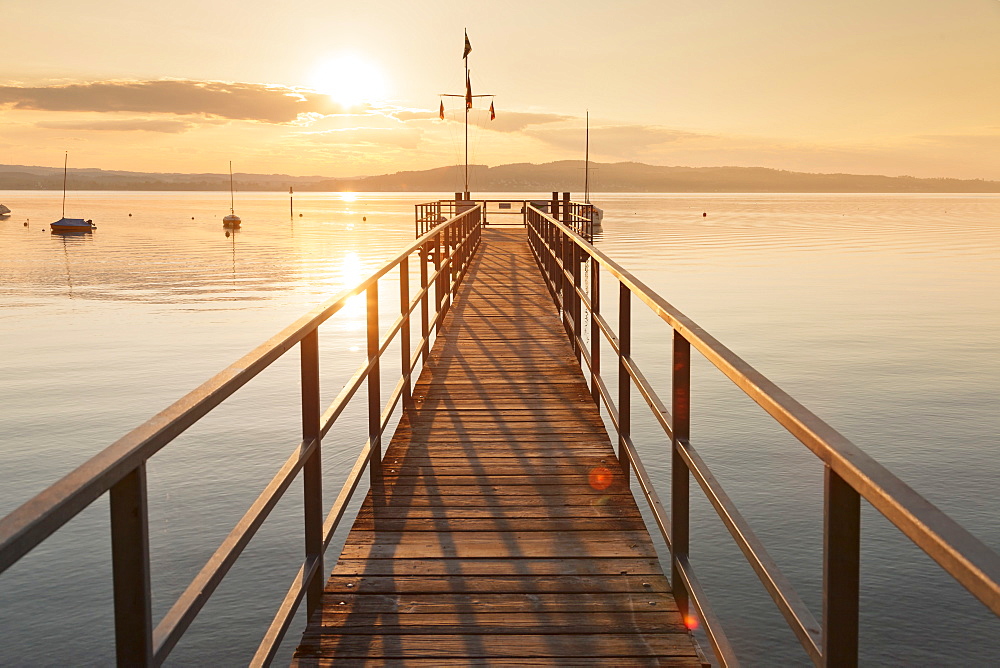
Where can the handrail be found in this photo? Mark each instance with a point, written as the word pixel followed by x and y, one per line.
pixel 120 468
pixel 850 474
pixel 579 216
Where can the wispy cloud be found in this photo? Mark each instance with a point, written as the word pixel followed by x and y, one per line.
pixel 395 137
pixel 506 121
pixel 615 139
pixel 171 126
pixel 234 101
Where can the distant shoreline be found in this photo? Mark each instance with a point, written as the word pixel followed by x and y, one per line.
pixel 566 175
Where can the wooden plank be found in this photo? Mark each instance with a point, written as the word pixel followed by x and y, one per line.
pixel 609 645
pixel 509 662
pixel 496 566
pixel 566 584
pixel 400 603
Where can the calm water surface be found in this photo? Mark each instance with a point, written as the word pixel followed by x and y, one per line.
pixel 878 312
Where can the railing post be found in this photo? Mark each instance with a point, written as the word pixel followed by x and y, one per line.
pixel 624 380
pixel 679 475
pixel 312 469
pixel 374 391
pixel 404 332
pixel 595 330
pixel 841 565
pixel 449 258
pixel 130 569
pixel 555 206
pixel 566 281
pixel 576 259
pixel 424 303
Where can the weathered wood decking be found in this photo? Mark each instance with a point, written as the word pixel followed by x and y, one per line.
pixel 507 535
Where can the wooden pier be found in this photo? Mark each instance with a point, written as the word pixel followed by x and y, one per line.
pixel 500 528
pixel 505 532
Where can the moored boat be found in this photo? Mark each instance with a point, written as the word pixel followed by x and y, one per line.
pixel 232 220
pixel 4 210
pixel 72 225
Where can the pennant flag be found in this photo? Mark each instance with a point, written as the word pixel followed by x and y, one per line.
pixel 468 92
pixel 441 111
pixel 493 114
pixel 468 46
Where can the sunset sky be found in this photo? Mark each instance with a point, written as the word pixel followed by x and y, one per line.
pixel 351 88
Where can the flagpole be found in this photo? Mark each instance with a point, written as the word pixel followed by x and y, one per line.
pixel 466 59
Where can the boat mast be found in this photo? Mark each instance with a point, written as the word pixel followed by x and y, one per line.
pixel 65 165
pixel 232 203
pixel 586 164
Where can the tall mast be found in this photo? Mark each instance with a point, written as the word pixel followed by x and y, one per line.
pixel 232 203
pixel 65 165
pixel 586 164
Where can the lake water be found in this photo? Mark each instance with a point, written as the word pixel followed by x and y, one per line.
pixel 878 312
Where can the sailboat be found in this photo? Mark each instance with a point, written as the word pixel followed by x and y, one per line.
pixel 232 220
pixel 4 210
pixel 596 214
pixel 70 225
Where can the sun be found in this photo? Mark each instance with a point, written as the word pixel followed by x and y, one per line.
pixel 349 79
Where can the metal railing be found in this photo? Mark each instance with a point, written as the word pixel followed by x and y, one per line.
pixel 577 215
pixel 120 470
pixel 849 474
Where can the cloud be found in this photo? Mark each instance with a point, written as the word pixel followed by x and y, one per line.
pixel 515 121
pixel 415 115
pixel 613 140
pixel 147 125
pixel 396 137
pixel 506 121
pixel 234 101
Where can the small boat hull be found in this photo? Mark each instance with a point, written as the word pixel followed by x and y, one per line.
pixel 231 221
pixel 72 226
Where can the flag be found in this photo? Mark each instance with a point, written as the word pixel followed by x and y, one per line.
pixel 468 46
pixel 493 114
pixel 441 111
pixel 468 92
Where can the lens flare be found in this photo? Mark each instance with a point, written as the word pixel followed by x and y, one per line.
pixel 691 622
pixel 600 478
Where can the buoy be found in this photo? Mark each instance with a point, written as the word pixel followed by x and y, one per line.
pixel 300 215
pixel 364 217
pixel 25 223
pixel 227 233
pixel 130 215
pixel 704 215
pixel 192 217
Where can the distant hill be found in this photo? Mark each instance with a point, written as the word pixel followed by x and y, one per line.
pixel 565 175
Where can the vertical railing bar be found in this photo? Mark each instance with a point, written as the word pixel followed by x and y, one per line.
pixel 841 570
pixel 374 390
pixel 576 255
pixel 595 330
pixel 624 380
pixel 404 333
pixel 679 474
pixel 424 300
pixel 312 468
pixel 130 569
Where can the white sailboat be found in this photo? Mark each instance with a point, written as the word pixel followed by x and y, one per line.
pixel 232 220
pixel 596 214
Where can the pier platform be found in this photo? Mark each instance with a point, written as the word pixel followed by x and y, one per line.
pixel 506 533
